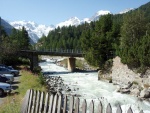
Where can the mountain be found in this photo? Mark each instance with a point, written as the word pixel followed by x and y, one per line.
pixel 72 21
pixel 126 10
pixel 35 31
pixel 75 21
pixel 7 26
pixel 98 14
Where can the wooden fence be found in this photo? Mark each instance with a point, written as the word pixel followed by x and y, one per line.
pixel 38 102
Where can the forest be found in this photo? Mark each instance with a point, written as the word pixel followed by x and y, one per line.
pixel 10 45
pixel 124 35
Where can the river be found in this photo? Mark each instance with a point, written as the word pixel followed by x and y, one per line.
pixel 87 85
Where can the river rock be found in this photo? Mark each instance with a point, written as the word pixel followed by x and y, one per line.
pixel 145 93
pixel 135 92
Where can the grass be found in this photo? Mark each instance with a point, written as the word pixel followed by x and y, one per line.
pixel 28 80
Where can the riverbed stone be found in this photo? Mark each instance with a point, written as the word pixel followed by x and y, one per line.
pixel 145 93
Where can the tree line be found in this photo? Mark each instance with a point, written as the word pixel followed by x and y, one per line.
pixel 10 45
pixel 125 35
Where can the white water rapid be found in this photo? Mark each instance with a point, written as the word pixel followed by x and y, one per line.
pixel 87 85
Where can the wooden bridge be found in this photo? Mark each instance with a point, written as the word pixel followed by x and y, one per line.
pixel 38 102
pixel 70 53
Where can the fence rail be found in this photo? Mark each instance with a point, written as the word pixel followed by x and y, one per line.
pixel 38 102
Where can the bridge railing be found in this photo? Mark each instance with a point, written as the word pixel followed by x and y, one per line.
pixel 59 50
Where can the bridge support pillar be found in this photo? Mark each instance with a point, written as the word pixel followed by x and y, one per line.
pixel 71 64
pixel 33 61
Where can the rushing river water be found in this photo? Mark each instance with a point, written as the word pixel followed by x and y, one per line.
pixel 87 85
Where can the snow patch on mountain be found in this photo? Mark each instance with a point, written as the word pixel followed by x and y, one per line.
pixel 35 31
pixel 126 10
pixel 98 14
pixel 72 21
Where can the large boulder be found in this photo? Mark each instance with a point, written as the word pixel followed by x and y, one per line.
pixel 145 93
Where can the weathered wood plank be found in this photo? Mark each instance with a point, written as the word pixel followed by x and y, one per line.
pixel 33 103
pixel 129 110
pixel 30 101
pixel 46 103
pixel 91 110
pixel 25 102
pixel 84 106
pixel 65 104
pixel 71 106
pixel 119 110
pixel 55 103
pixel 59 103
pixel 51 103
pixel 37 102
pixel 41 102
pixel 100 108
pixel 77 105
pixel 109 109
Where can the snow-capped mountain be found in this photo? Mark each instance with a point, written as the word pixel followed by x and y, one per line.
pixel 98 14
pixel 126 10
pixel 75 21
pixel 72 21
pixel 35 31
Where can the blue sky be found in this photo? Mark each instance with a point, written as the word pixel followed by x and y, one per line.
pixel 55 11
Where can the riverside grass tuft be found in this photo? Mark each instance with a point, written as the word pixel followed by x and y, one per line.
pixel 27 80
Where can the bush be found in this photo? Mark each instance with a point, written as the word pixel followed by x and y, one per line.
pixel 37 69
pixel 41 79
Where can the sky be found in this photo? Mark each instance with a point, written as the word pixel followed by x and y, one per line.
pixel 52 12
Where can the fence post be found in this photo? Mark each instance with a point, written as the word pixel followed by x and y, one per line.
pixel 46 103
pixel 51 103
pixel 33 104
pixel 59 103
pixel 77 105
pixel 25 102
pixel 65 104
pixel 30 101
pixel 55 103
pixel 119 110
pixel 129 110
pixel 41 102
pixel 100 108
pixel 71 104
pixel 109 109
pixel 37 102
pixel 84 106
pixel 92 107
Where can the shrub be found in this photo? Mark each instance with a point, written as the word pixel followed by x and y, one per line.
pixel 37 69
pixel 41 79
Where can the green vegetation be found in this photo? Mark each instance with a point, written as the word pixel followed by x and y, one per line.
pixel 80 63
pixel 125 35
pixel 135 82
pixel 28 80
pixel 10 45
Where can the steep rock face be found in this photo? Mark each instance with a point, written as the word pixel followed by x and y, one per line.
pixel 128 81
pixel 121 74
